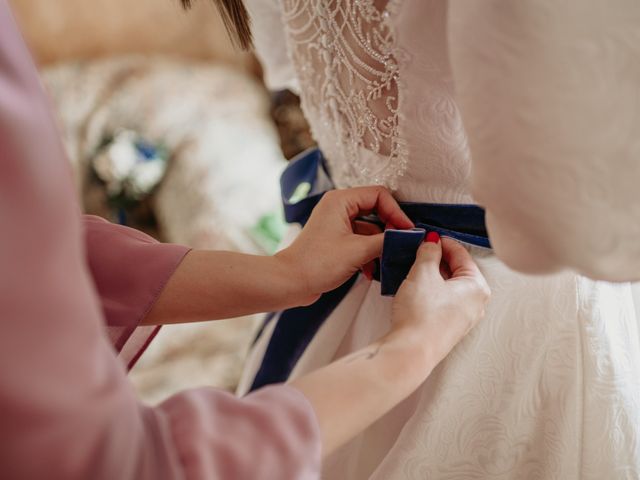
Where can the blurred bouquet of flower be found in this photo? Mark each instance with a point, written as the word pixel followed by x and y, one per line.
pixel 130 167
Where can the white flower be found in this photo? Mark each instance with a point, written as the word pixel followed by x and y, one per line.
pixel 146 175
pixel 129 166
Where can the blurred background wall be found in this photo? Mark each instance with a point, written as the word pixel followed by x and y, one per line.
pixel 80 29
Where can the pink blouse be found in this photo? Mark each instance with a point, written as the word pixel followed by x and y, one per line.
pixel 67 409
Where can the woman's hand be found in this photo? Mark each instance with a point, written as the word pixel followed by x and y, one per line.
pixel 216 284
pixel 333 245
pixel 431 315
pixel 435 311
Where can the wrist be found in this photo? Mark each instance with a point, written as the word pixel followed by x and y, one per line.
pixel 298 287
pixel 415 353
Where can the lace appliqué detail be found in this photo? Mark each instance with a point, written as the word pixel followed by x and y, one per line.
pixel 344 54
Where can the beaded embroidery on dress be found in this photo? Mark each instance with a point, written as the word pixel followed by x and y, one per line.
pixel 354 69
pixel 345 61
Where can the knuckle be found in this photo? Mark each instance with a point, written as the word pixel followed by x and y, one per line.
pixel 379 191
pixel 484 292
pixel 419 273
pixel 331 196
pixel 425 252
pixel 480 315
pixel 424 248
pixel 415 271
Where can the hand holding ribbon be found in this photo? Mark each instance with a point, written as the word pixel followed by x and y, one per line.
pixel 334 245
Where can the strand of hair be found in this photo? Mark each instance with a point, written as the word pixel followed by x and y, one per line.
pixel 235 19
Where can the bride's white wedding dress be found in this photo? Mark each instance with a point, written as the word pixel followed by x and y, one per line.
pixel 548 384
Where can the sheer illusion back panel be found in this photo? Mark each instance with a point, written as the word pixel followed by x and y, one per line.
pixel 355 69
pixel 343 52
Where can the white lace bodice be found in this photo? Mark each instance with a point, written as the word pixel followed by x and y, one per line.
pixel 354 71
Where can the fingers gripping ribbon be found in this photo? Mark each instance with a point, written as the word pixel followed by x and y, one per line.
pixel 303 184
pixel 307 179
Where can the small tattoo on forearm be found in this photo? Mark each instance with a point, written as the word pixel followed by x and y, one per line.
pixel 367 354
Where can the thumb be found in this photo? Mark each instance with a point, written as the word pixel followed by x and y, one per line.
pixel 428 256
pixel 369 247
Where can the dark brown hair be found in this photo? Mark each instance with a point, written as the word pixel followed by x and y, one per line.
pixel 236 20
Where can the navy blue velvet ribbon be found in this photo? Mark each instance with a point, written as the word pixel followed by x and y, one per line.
pixel 302 184
pixel 307 178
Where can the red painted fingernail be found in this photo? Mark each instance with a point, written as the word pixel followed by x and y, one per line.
pixel 433 237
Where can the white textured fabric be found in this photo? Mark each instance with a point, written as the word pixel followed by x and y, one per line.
pixel 549 93
pixel 548 385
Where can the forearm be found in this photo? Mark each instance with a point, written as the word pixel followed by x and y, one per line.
pixel 353 392
pixel 210 285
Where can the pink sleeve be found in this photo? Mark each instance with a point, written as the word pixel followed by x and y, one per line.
pixel 67 409
pixel 129 269
pixel 270 434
